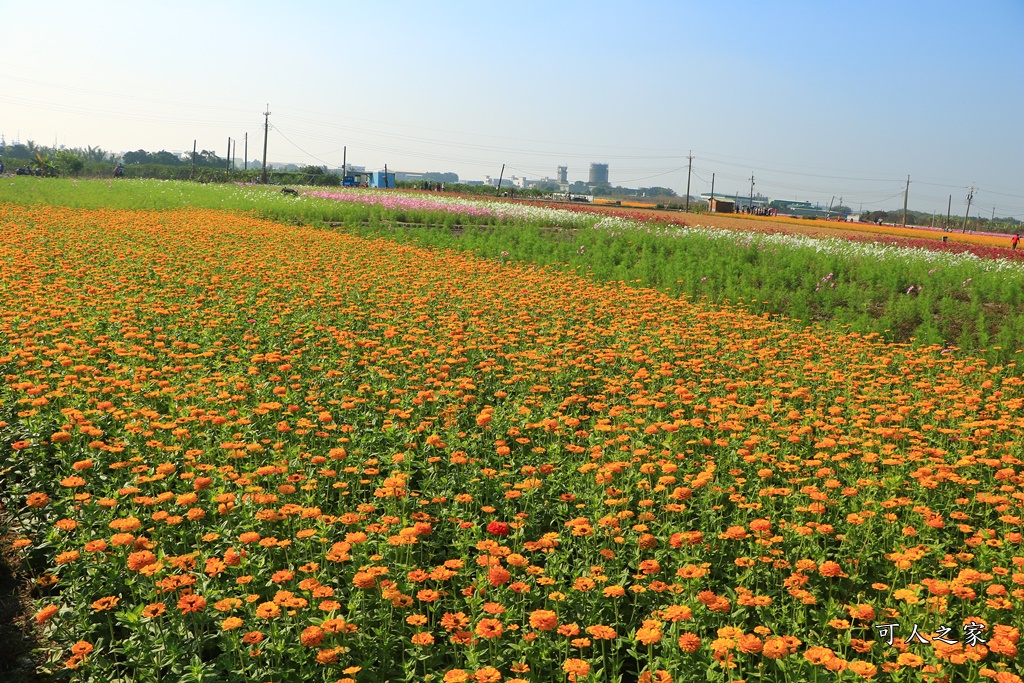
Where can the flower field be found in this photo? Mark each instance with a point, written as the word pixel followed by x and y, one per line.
pixel 237 450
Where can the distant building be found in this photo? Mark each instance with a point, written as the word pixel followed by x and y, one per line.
pixel 719 205
pixel 598 174
pixel 741 202
pixel 563 175
pixel 382 179
pixel 493 182
pixel 356 178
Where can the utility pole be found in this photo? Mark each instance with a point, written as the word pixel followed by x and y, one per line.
pixel 949 210
pixel 227 160
pixel 839 209
pixel 385 175
pixel 906 195
pixel 970 196
pixel 500 176
pixel 193 171
pixel 689 167
pixel 711 202
pixel 829 212
pixel 344 163
pixel 245 149
pixel 750 204
pixel 266 131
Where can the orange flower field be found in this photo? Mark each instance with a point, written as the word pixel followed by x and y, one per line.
pixel 236 450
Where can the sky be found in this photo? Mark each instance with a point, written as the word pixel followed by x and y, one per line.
pixel 816 101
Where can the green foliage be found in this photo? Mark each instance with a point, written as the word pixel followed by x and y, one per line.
pixel 67 162
pixel 317 176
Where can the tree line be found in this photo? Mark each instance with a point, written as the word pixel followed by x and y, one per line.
pixel 204 166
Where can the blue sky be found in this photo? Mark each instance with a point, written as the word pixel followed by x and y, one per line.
pixel 814 99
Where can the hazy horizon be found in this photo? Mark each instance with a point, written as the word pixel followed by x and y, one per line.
pixel 814 100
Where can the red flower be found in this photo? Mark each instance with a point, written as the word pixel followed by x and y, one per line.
pixel 499 529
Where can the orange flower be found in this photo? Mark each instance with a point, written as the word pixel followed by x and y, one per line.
pixel 490 628
pixel 909 659
pixel 453 622
pixel 37 500
pixel 498 576
pixel 650 632
pixel 861 612
pixel 543 620
pixel 125 524
pixel 650 567
pixel 107 603
pixel 689 642
pixel 312 636
pixel 282 576
pixel 576 668
pixel 818 655
pixel 364 580
pixel 138 560
pixel 863 669
pixel 60 437
pixel 154 610
pixel 750 644
pixel 830 569
pixel 775 648
pixel 97 546
pixel 423 638
pixel 191 603
pixel 601 632
pixel 487 674
pixel 46 613
pixel 231 623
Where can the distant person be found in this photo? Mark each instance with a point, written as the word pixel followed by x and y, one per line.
pixel 1014 241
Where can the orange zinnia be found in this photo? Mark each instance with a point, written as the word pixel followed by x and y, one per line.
pixel 543 620
pixel 490 628
pixel 191 603
pixel 576 668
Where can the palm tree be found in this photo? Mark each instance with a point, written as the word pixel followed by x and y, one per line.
pixel 45 165
pixel 97 154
